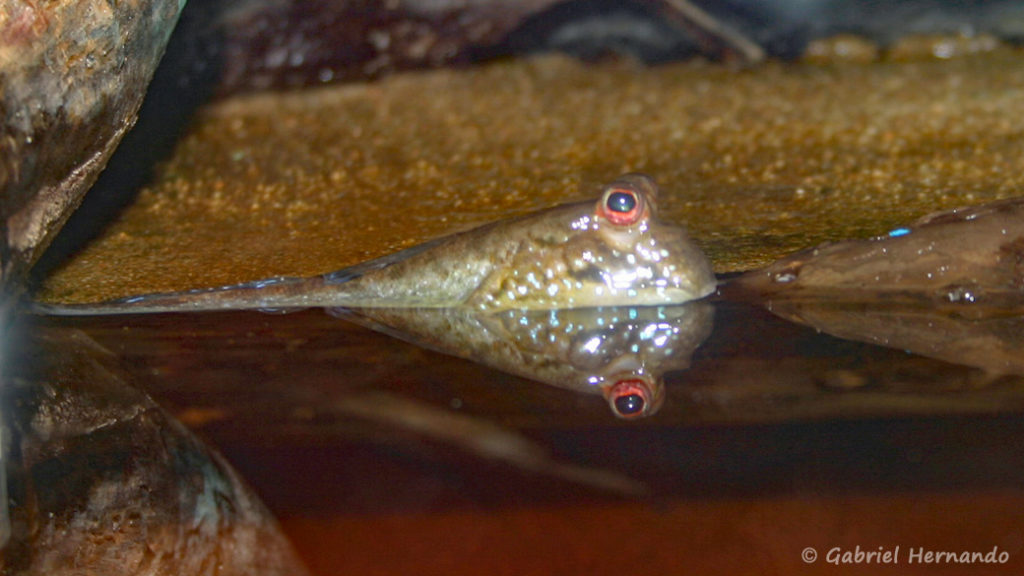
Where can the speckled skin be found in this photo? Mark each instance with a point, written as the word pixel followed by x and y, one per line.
pixel 588 350
pixel 569 256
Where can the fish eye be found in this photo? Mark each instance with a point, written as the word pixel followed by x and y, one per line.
pixel 620 202
pixel 629 398
pixel 629 404
pixel 621 206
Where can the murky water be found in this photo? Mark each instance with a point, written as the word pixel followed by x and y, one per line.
pixel 753 368
pixel 340 427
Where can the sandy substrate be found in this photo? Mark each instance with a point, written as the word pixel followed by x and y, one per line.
pixel 758 163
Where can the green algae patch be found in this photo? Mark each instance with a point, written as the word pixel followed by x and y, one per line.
pixel 757 163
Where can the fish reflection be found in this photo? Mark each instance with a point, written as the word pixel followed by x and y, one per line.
pixel 965 259
pixel 618 352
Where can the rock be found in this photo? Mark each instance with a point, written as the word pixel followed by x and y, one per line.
pixel 102 481
pixel 294 43
pixel 72 78
pixel 267 44
pixel 968 260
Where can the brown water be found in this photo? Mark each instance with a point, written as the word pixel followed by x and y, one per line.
pixel 382 457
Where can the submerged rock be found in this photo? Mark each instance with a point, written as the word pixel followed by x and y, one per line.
pixel 102 481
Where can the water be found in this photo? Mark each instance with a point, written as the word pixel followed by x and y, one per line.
pixel 342 429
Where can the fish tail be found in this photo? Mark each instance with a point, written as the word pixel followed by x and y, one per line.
pixel 272 295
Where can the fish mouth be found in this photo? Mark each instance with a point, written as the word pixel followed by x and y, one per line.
pixel 634 396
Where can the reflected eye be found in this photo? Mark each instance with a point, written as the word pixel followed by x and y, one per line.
pixel 629 398
pixel 621 206
pixel 629 404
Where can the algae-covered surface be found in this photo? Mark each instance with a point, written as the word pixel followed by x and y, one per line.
pixel 758 162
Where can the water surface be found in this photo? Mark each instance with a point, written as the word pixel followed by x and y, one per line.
pixel 341 429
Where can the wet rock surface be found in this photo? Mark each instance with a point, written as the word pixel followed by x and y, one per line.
pixel 757 163
pixel 102 481
pixel 967 261
pixel 72 77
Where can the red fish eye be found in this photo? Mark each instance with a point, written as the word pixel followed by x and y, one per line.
pixel 621 206
pixel 629 404
pixel 629 398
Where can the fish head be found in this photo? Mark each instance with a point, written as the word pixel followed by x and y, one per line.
pixel 622 363
pixel 625 255
pixel 612 252
pixel 624 352
pixel 632 395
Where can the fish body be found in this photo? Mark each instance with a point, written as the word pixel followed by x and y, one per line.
pixel 620 353
pixel 614 252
